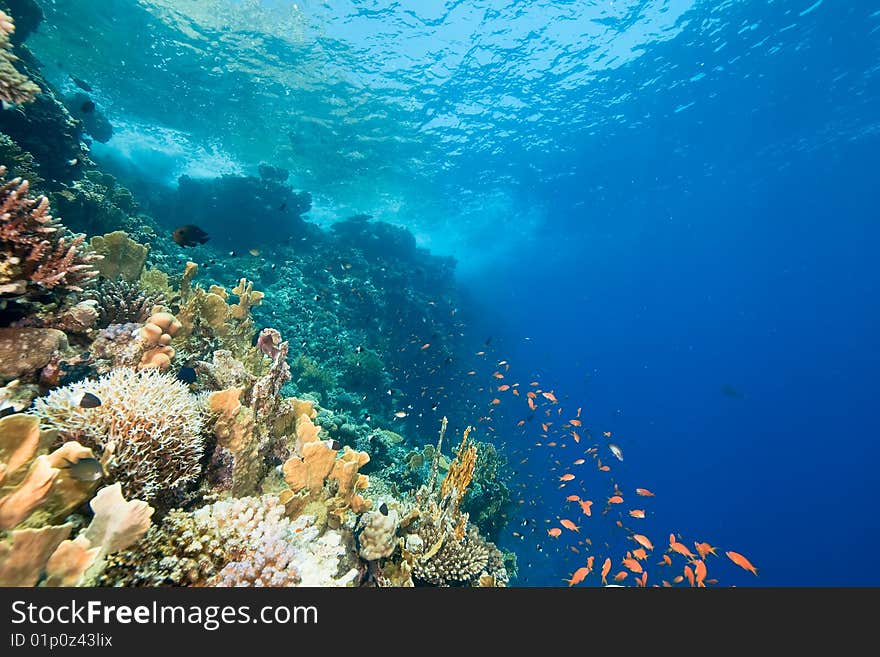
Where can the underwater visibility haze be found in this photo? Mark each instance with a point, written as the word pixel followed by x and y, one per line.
pixel 439 292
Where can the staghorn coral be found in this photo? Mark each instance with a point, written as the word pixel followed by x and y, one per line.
pixel 147 429
pixel 36 256
pixel 121 302
pixel 14 86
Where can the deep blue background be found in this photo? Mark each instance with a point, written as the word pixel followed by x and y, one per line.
pixel 701 257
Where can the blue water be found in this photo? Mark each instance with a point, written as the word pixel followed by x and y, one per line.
pixel 664 210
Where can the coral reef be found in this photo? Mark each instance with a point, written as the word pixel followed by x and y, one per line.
pixel 147 429
pixel 122 257
pixel 121 302
pixel 37 257
pixel 14 86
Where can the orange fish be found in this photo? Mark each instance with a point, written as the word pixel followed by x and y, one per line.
pixel 590 560
pixel 680 548
pixel 532 404
pixel 678 580
pixel 572 498
pixel 503 388
pixel 644 541
pixel 615 499
pixel 644 492
pixel 520 423
pixel 495 401
pixel 426 345
pixel 515 392
pixel 703 549
pixel 531 395
pixel 568 524
pixel 544 426
pixel 606 568
pixel 643 581
pixel 575 423
pixel 579 575
pixel 700 573
pixel 577 438
pixel 640 554
pixel 604 468
pixel 622 575
pixel 607 434
pixel 741 561
pixel 579 462
pixel 666 561
pixel 555 532
pixel 689 574
pixel 550 396
pixel 498 375
pixel 566 477
pixel 586 507
pixel 637 513
pixel 633 565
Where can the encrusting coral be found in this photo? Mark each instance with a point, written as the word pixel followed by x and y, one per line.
pixel 147 428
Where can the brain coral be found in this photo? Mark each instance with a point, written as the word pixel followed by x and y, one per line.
pixel 150 422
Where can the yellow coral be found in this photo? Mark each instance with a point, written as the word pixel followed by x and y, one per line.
pixel 123 257
pixel 461 470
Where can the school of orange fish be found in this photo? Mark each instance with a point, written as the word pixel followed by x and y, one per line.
pixel 669 565
pixel 577 460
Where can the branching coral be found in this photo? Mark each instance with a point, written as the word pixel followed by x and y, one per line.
pixel 14 87
pixel 147 428
pixel 121 302
pixel 238 542
pixel 36 256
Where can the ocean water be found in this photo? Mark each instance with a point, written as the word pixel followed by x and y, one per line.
pixel 663 211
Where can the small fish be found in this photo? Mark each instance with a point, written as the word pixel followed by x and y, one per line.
pixel 741 561
pixel 644 492
pixel 87 107
pixel 89 401
pixel 575 423
pixel 254 252
pixel 282 207
pixel 573 498
pixel 400 414
pixel 568 524
pixel 187 375
pixel 700 573
pixel 586 507
pixel 189 235
pixel 578 576
pixel 334 445
pixel 580 462
pixel 615 499
pixel 566 477
pixel 616 451
pixel 555 532
pixel 383 509
pixel 358 349
pixel 87 469
pixel 704 548
pixel 622 575
pixel 637 513
pixel 425 346
pixel 633 565
pixel 607 434
pixel 606 568
pixel 689 573
pixel 644 541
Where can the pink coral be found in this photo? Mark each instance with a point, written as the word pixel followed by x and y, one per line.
pixel 35 252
